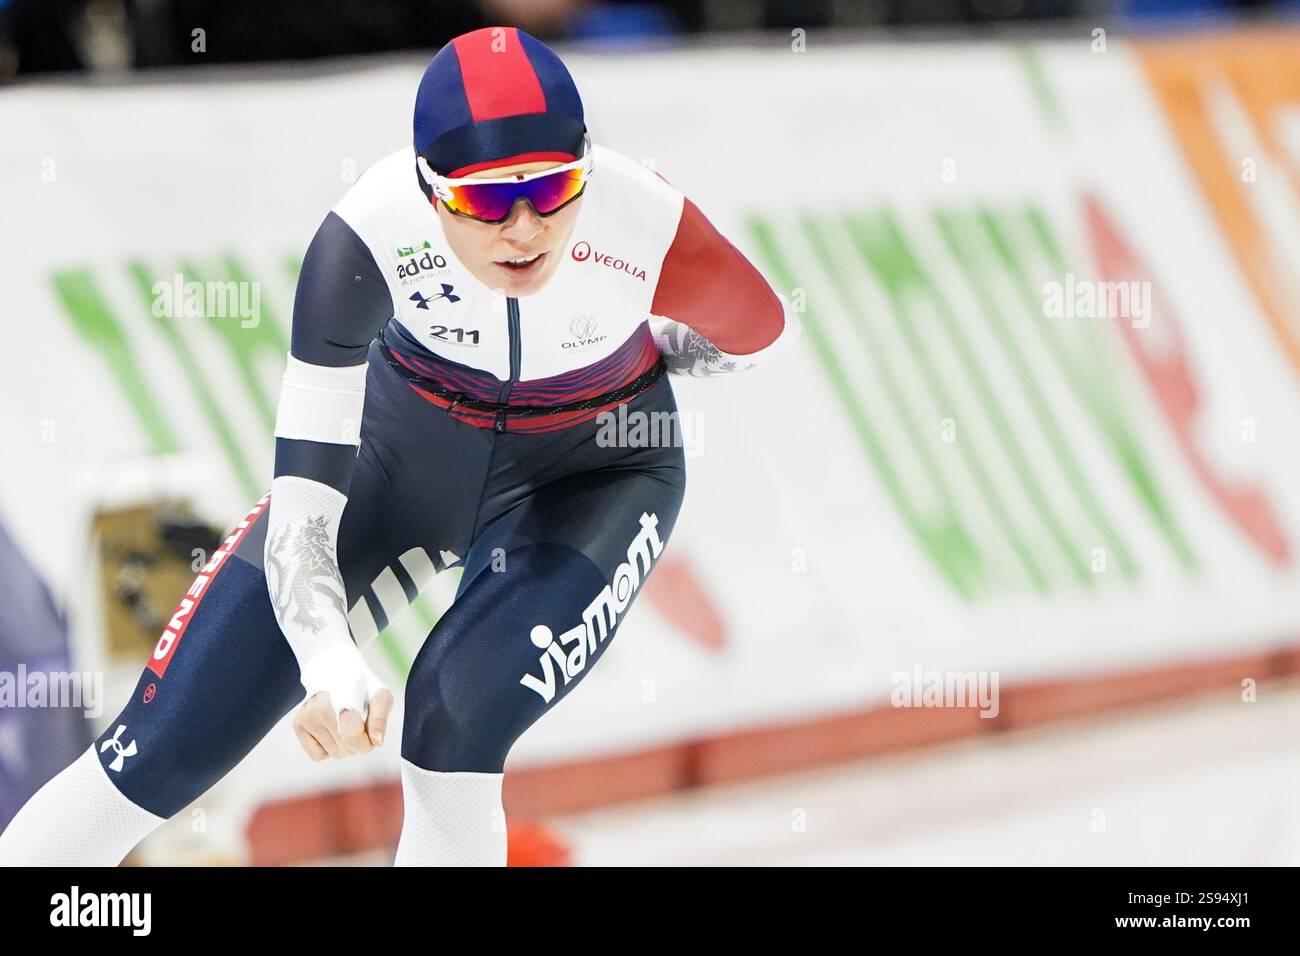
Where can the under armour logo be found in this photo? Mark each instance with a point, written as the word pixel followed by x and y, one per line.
pixel 122 752
pixel 422 303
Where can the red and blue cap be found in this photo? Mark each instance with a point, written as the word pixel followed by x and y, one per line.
pixel 494 97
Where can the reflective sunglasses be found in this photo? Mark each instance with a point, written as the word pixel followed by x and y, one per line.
pixel 490 200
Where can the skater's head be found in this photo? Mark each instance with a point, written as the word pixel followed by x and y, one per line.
pixel 503 153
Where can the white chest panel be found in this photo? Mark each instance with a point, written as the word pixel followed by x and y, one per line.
pixel 600 293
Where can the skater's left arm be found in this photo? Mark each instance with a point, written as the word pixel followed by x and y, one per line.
pixel 713 312
pixel 341 301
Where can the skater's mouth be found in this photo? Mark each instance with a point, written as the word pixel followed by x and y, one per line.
pixel 523 265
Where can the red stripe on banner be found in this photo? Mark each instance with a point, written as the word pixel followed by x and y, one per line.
pixel 499 79
pixel 189 603
pixel 1171 372
pixel 682 597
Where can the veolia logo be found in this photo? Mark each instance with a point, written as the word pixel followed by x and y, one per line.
pixel 583 251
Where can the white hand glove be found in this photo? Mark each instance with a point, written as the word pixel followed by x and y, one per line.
pixel 343 674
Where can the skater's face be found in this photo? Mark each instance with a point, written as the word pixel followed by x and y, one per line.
pixel 486 249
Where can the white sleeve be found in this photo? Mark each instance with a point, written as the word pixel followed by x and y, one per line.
pixel 319 404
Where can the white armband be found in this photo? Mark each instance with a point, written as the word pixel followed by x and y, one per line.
pixel 321 403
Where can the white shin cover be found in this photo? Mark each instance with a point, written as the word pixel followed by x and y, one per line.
pixel 451 819
pixel 77 819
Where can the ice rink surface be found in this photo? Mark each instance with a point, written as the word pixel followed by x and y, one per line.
pixel 1207 781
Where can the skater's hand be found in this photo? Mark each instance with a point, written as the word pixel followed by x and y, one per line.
pixel 346 710
pixel 324 732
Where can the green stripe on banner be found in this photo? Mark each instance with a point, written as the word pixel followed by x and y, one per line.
pixel 393 642
pixel 952 552
pixel 1102 399
pixel 266 340
pixel 967 241
pixel 959 537
pixel 192 371
pixel 427 611
pixel 241 342
pixel 402 640
pixel 885 250
pixel 1036 76
pixel 91 316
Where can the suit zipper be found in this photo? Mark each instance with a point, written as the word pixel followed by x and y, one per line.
pixel 516 351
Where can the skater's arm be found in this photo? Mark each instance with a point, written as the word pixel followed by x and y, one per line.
pixel 341 303
pixel 714 312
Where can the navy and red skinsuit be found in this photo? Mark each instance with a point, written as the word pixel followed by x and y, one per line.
pixel 556 529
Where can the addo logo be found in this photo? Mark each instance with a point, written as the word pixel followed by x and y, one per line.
pixel 582 251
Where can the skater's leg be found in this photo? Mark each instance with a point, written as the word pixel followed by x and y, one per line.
pixel 78 818
pixel 548 585
pixel 219 679
pixel 210 694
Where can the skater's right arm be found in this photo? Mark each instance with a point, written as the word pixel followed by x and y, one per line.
pixel 341 303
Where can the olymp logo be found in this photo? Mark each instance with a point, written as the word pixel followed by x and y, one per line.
pixel 583 329
pixel 599 618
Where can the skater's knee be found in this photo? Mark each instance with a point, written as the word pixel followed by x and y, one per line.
pixel 445 732
pixel 517 640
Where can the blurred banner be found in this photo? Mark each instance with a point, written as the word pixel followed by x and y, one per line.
pixel 1042 424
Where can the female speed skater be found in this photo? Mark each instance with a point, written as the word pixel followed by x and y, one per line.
pixel 464 317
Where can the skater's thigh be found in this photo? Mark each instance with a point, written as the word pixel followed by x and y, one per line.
pixel 547 587
pixel 219 678
pixel 222 675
